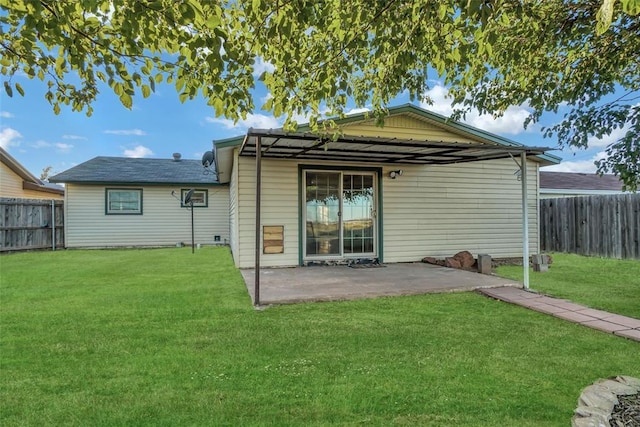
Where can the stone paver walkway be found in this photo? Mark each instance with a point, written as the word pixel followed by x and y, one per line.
pixel 616 324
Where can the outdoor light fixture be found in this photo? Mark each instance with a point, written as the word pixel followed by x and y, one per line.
pixel 395 174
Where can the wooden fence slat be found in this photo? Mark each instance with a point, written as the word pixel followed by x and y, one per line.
pixel 604 225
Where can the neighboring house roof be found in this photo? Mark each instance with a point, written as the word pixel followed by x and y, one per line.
pixel 579 183
pixel 29 181
pixel 125 170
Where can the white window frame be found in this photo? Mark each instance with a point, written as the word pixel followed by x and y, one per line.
pixel 108 208
pixel 197 191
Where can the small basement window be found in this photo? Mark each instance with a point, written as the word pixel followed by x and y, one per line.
pixel 200 198
pixel 123 201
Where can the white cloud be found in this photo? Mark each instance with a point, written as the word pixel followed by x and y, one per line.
pixel 138 151
pixel 510 123
pixel 259 121
pixel 136 132
pixel 41 144
pixel 441 100
pixel 357 111
pixel 615 135
pixel 61 146
pixel 267 97
pixel 260 66
pixel 73 137
pixel 8 138
pixel 6 115
pixel 584 166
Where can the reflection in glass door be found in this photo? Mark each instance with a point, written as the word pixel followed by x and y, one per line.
pixel 358 214
pixel 340 214
pixel 322 213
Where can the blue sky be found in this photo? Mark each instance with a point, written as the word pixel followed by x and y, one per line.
pixel 160 125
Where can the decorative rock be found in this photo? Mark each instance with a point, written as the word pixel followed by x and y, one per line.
pixel 597 401
pixel 465 258
pixel 430 260
pixel 452 263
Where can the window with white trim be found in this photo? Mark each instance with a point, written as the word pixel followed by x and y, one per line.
pixel 123 201
pixel 200 198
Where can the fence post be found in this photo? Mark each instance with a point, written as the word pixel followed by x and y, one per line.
pixel 53 225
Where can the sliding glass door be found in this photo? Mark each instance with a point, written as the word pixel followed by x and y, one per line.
pixel 339 214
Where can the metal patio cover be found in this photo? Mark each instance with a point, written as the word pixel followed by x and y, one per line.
pixel 277 144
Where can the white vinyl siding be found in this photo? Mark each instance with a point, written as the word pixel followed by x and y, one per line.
pixel 440 210
pixel 233 210
pixel 163 221
pixel 428 211
pixel 279 207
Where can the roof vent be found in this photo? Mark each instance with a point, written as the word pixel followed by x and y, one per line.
pixel 177 157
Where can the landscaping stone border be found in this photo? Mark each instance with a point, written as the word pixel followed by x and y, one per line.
pixel 596 402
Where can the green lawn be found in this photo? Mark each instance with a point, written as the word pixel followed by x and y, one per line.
pixel 164 337
pixel 606 284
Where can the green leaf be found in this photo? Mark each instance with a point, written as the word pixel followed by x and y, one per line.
pixel 126 100
pixel 604 16
pixel 19 89
pixel 146 91
pixel 8 89
pixel 631 7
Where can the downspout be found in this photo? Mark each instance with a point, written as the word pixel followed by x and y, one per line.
pixel 256 292
pixel 525 220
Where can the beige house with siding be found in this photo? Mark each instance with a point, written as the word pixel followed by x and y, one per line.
pixel 125 202
pixel 17 182
pixel 422 185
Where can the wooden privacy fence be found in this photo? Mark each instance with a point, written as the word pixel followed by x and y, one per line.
pixel 607 226
pixel 31 224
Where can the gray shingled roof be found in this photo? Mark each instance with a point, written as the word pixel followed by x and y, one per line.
pixel 578 181
pixel 124 170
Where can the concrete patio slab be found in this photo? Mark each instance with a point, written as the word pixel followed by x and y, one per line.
pixel 334 283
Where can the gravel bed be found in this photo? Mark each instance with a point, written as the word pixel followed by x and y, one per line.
pixel 627 412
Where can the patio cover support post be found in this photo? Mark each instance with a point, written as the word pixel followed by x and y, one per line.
pixel 525 220
pixel 256 291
